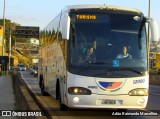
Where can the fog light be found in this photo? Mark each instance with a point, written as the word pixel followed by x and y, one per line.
pixel 140 101
pixel 75 99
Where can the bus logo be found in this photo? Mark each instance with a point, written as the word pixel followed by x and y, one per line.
pixel 109 85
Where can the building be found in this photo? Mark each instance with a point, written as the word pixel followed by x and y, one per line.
pixel 1 37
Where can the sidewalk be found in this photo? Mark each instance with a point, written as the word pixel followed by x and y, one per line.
pixel 7 97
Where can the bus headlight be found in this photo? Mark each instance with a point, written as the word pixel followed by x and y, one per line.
pixel 79 91
pixel 139 92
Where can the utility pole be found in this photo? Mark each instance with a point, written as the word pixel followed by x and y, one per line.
pixel 3 39
pixel 149 8
pixel 149 15
pixel 9 55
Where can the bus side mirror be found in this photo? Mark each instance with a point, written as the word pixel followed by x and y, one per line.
pixel 153 29
pixel 65 23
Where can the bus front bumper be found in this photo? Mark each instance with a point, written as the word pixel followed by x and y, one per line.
pixel 106 101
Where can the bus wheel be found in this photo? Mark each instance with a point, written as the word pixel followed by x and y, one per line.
pixel 63 107
pixel 57 91
pixel 42 89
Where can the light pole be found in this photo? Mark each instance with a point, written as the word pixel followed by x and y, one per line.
pixel 3 39
pixel 149 15
pixel 149 42
pixel 9 49
pixel 149 8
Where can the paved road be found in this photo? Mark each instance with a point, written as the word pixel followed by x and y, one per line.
pixel 154 90
pixel 154 99
pixel 7 97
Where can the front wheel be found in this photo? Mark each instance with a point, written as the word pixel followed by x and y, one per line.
pixel 43 89
pixel 63 107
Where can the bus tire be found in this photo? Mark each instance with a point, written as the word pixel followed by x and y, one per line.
pixel 57 90
pixel 63 107
pixel 42 86
pixel 40 80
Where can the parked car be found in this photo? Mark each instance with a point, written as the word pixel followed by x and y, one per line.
pixel 36 72
pixel 22 67
pixel 12 68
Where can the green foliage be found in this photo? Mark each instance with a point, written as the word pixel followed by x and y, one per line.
pixel 153 71
pixel 22 58
pixel 8 25
pixel 12 25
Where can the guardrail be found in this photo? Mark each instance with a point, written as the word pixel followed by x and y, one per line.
pixel 24 100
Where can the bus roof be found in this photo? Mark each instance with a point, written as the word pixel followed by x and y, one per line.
pixel 101 6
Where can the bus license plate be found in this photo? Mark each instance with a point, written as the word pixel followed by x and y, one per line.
pixel 111 102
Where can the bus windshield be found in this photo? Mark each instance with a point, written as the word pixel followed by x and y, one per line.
pixel 117 41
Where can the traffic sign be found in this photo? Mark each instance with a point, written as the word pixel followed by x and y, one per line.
pixel 26 32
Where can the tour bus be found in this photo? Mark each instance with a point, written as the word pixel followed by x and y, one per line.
pixel 107 82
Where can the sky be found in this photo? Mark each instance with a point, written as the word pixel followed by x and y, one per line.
pixel 41 12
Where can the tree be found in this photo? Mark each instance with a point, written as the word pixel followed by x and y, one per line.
pixel 12 25
pixel 8 25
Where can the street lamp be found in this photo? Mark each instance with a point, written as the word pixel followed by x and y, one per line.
pixel 3 39
pixel 149 14
pixel 149 8
pixel 9 49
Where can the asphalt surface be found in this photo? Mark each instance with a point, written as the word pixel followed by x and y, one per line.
pixel 7 97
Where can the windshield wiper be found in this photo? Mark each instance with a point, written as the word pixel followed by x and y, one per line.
pixel 99 63
pixel 110 72
pixel 84 69
pixel 135 71
pixel 89 64
pixel 114 72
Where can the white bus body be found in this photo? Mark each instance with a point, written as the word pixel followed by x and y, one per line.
pixel 109 82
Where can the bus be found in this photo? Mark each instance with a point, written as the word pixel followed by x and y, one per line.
pixel 108 82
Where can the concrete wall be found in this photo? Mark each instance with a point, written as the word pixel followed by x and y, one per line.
pixel 24 101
